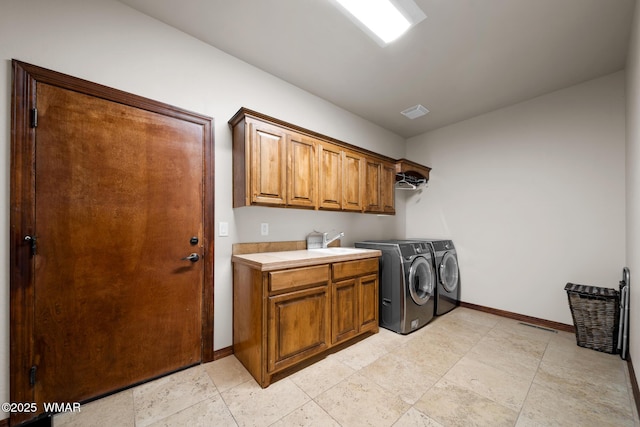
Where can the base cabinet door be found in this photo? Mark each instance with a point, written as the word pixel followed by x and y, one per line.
pixel 368 308
pixel 354 294
pixel 298 326
pixel 344 302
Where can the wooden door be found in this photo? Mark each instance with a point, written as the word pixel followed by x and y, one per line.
pixel 330 179
pixel 387 188
pixel 298 326
pixel 344 301
pixel 373 185
pixel 115 191
pixel 352 179
pixel 302 175
pixel 268 164
pixel 368 309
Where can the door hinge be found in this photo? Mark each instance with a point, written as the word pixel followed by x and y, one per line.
pixel 32 242
pixel 32 375
pixel 34 117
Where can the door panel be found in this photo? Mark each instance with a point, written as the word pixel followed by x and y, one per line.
pixel 298 326
pixel 118 193
pixel 352 181
pixel 330 179
pixel 369 303
pixel 387 191
pixel 344 301
pixel 374 186
pixel 302 172
pixel 118 196
pixel 268 162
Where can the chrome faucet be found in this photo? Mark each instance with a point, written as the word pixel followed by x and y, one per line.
pixel 326 240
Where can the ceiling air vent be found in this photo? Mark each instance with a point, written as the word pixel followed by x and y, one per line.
pixel 415 112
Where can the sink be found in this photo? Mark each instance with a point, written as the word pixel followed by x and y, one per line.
pixel 337 251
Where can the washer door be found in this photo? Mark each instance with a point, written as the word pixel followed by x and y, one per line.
pixel 421 280
pixel 449 272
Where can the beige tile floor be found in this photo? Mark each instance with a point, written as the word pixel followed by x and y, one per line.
pixel 466 368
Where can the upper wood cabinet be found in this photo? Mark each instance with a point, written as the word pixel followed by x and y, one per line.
pixel 380 178
pixel 352 181
pixel 330 176
pixel 268 148
pixel 279 164
pixel 302 176
pixel 387 188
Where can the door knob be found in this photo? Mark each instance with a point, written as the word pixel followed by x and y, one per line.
pixel 193 257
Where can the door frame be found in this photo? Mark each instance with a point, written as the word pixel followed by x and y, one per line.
pixel 22 213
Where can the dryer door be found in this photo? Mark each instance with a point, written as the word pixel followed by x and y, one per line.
pixel 449 272
pixel 421 280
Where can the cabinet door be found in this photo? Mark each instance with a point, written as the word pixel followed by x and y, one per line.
pixel 298 326
pixel 344 301
pixel 388 188
pixel 302 175
pixel 352 180
pixel 268 164
pixel 380 186
pixel 373 186
pixel 368 307
pixel 330 177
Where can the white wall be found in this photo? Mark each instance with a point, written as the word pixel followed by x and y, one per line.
pixel 633 186
pixel 106 42
pixel 541 183
pixel 532 196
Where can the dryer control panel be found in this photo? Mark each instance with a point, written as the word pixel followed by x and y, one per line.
pixel 409 250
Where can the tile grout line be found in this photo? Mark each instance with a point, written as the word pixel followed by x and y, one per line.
pixel 235 420
pixel 524 402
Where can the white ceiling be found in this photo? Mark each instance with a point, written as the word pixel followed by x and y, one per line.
pixel 467 58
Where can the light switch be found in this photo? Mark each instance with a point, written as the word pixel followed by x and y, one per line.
pixel 264 229
pixel 223 229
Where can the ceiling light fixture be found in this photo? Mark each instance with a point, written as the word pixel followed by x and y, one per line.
pixel 382 20
pixel 414 112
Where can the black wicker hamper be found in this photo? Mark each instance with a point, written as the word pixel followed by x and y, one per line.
pixel 595 313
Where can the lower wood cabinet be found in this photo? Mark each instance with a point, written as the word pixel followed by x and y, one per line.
pixel 354 295
pixel 284 317
pixel 298 326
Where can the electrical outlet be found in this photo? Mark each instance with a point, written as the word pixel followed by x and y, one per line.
pixel 264 229
pixel 223 229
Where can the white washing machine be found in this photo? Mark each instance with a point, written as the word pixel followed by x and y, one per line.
pixel 407 284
